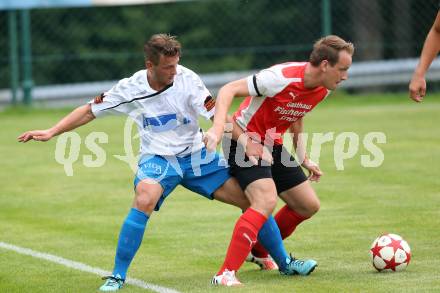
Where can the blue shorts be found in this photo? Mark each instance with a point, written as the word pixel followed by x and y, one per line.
pixel 202 172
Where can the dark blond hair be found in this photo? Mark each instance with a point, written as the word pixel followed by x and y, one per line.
pixel 328 48
pixel 161 44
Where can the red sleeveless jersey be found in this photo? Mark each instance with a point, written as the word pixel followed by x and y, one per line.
pixel 278 98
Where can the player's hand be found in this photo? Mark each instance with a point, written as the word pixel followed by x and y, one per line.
pixel 255 150
pixel 38 135
pixel 315 172
pixel 417 88
pixel 211 139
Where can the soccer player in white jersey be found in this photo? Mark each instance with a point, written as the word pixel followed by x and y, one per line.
pixel 277 99
pixel 165 101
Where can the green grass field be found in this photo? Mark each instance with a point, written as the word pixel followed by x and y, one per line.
pixel 79 217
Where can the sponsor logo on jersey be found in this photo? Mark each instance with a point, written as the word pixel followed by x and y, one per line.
pixel 292 112
pixel 99 98
pixel 161 123
pixel 299 105
pixel 165 122
pixel 209 103
pixel 292 95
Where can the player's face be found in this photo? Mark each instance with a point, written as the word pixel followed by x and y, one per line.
pixel 163 73
pixel 334 75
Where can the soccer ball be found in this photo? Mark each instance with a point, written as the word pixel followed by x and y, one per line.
pixel 389 252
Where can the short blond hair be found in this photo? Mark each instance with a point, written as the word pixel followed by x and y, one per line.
pixel 161 44
pixel 328 48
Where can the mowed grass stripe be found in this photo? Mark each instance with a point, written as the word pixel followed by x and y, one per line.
pixel 81 267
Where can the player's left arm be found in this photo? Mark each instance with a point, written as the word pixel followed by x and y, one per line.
pixel 297 128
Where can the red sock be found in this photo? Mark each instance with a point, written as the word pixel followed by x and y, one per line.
pixel 243 238
pixel 287 220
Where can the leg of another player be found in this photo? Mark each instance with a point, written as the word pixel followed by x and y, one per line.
pixel 231 193
pixel 132 231
pixel 262 196
pixel 301 204
pixel 269 234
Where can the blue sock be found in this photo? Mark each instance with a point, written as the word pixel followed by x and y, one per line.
pixel 270 237
pixel 130 239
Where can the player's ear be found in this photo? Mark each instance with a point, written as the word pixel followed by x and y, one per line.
pixel 324 65
pixel 148 64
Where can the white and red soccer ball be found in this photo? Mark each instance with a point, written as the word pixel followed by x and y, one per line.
pixel 389 252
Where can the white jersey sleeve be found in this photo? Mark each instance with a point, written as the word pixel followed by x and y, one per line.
pixel 203 101
pixel 115 101
pixel 269 82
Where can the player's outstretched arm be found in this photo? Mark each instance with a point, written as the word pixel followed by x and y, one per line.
pixel 80 116
pixel 431 47
pixel 233 89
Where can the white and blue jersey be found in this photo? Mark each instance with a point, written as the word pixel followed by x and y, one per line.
pixel 166 119
pixel 171 151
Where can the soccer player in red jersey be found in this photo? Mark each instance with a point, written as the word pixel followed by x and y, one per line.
pixel 277 100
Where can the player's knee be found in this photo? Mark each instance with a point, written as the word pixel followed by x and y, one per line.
pixel 271 201
pixel 146 197
pixel 312 207
pixel 315 206
pixel 264 200
pixel 270 198
pixel 262 195
pixel 144 203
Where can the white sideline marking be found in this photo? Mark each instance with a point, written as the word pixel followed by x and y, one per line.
pixel 83 267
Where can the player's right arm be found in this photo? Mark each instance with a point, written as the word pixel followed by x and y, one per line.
pixel 237 88
pixel 431 47
pixel 113 102
pixel 80 116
